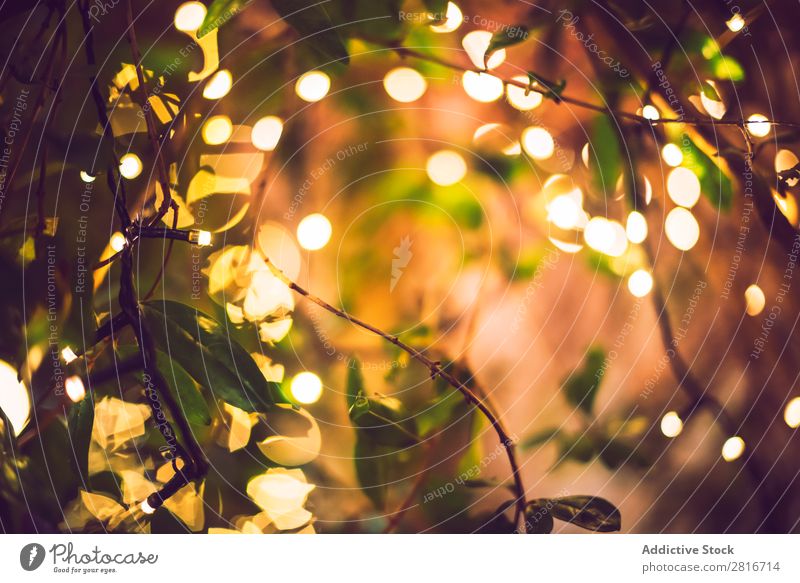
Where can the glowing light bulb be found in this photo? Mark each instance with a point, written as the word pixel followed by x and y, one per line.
pixel 404 84
pixel 130 166
pixel 75 388
pixel 312 86
pixel 475 44
pixel 453 19
pixel 564 212
pixel 682 229
pixel 757 125
pixel 314 232
pixel 69 355
pixel 306 388
pixel 636 227
pixel 672 155
pixel 267 133
pixel 86 177
pixel 446 167
pixel 755 300
pixel 671 424
pixel 117 242
pixel 792 413
pixel 217 130
pixel 733 448
pixel 189 16
pixel 482 87
pixel 537 143
pixel 683 187
pixel 14 399
pixel 736 23
pixel 650 112
pixel 520 98
pixel 146 508
pixel 606 236
pixel 640 283
pixel 201 238
pixel 219 85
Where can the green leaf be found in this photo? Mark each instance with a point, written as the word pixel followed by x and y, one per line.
pixel 710 91
pixel 220 12
pixel 203 348
pixel 538 438
pixel 589 512
pixel 714 183
pixel 579 448
pixel 552 90
pixel 438 412
pixel 581 386
pixel 617 452
pixel 372 470
pixel 356 397
pixel 312 22
pixel 538 518
pixel 727 68
pixel 438 8
pixel 506 37
pixel 605 161
pixel 80 422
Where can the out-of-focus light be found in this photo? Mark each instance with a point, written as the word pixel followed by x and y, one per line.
pixel 306 388
pixel 117 242
pixel 267 133
pixel 755 300
pixel 671 424
pixel 75 388
pixel 682 229
pixel 683 187
pixel 640 283
pixel 14 399
pixel 757 125
pixel 69 355
pixel 146 508
pixel 636 227
pixel 312 86
pixel 733 448
pixel 792 413
pixel 672 155
pixel 475 44
pixel 314 232
pixel 446 167
pixel 537 143
pixel 86 177
pixel 564 212
pixel 130 166
pixel 453 19
pixel 650 112
pixel 219 85
pixel 217 130
pixel 404 84
pixel 189 16
pixel 606 236
pixel 520 98
pixel 736 23
pixel 482 87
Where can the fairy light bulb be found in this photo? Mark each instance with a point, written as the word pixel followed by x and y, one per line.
pixel 682 229
pixel 404 84
pixel 523 99
pixel 14 398
pixel 757 125
pixel 733 448
pixel 672 155
pixel 475 44
pixel 482 87
pixel 446 167
pixel 130 166
pixel 306 388
pixel 640 283
pixel 69 355
pixel 189 16
pixel 671 424
pixel 267 133
pixel 312 86
pixel 452 19
pixel 219 85
pixel 636 227
pixel 683 187
pixel 650 112
pixel 75 388
pixel 117 242
pixel 735 23
pixel 217 130
pixel 537 143
pixel 564 212
pixel 200 238
pixel 755 300
pixel 86 177
pixel 792 413
pixel 146 508
pixel 314 232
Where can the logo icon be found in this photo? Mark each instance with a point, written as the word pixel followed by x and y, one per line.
pixel 31 556
pixel 402 255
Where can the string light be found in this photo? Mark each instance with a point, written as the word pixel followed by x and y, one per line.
pixel 217 130
pixel 267 133
pixel 446 167
pixel 306 388
pixel 792 413
pixel 682 229
pixel 683 187
pixel 404 84
pixel 564 212
pixel 117 242
pixel 130 166
pixel 482 87
pixel 453 19
pixel 523 99
pixel 86 177
pixel 606 236
pixel 69 355
pixel 733 448
pixel 219 85
pixel 650 112
pixel 672 155
pixel 736 23
pixel 314 232
pixel 640 283
pixel 189 16
pixel 475 44
pixel 14 399
pixel 537 143
pixel 200 238
pixel 757 125
pixel 636 227
pixel 75 388
pixel 671 424
pixel 146 508
pixel 312 86
pixel 755 300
